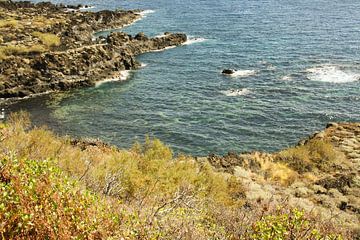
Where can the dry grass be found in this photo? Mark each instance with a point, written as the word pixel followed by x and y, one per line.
pixel 48 39
pixel 316 154
pixel 43 22
pixel 140 193
pixel 15 50
pixel 8 23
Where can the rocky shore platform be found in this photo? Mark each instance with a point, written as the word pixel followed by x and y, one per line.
pixel 45 47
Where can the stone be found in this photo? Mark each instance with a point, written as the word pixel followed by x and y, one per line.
pixel 228 71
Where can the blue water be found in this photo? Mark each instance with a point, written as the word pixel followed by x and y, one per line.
pixel 304 58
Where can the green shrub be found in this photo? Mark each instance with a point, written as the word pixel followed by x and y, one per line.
pixel 316 153
pixel 286 226
pixel 39 202
pixel 52 189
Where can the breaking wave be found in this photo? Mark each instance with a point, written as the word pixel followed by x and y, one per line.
pixel 332 74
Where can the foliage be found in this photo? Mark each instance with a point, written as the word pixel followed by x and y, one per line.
pixel 55 188
pixel 37 199
pixel 314 154
pixel 285 226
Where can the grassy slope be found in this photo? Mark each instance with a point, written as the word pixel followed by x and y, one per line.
pixel 53 189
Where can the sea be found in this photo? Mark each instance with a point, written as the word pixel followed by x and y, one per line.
pixel 297 68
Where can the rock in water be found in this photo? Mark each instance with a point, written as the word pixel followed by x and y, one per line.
pixel 228 71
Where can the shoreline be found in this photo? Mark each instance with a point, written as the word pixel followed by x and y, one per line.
pixel 96 58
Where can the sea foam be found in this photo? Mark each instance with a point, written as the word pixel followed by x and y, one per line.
pixel 192 40
pixel 236 92
pixel 124 75
pixel 146 12
pixel 242 73
pixel 163 49
pixel 332 74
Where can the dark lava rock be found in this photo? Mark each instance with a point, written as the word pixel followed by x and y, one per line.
pixel 339 182
pixel 228 71
pixel 141 37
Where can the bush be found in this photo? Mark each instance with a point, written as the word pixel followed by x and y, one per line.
pixel 287 225
pixel 52 189
pixel 316 153
pixel 39 202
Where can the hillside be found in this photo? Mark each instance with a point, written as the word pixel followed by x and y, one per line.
pixel 59 188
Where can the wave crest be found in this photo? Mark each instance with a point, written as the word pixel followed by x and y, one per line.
pixel 333 74
pixel 236 92
pixel 146 12
pixel 192 40
pixel 242 73
pixel 124 75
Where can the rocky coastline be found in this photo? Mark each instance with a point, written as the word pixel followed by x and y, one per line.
pixel 45 48
pixel 321 174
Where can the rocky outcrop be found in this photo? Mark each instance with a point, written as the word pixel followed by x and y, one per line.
pixel 80 60
pixel 328 191
pixel 228 71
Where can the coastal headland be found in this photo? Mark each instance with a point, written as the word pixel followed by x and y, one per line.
pixel 46 47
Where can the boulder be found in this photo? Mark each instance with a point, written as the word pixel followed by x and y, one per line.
pixel 141 37
pixel 228 71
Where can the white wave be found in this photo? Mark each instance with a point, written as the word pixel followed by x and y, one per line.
pixel 242 73
pixel 124 75
pixel 163 49
pixel 236 92
pixel 271 67
pixel 142 65
pixel 146 12
pixel 333 74
pixel 85 8
pixel 192 40
pixel 286 78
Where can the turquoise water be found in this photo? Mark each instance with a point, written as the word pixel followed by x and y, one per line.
pixel 298 62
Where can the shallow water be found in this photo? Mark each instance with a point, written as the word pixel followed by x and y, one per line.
pixel 298 68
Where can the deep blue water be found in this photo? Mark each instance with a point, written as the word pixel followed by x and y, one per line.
pixel 303 62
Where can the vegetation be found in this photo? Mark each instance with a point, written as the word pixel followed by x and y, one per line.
pixel 55 188
pixel 10 50
pixel 8 22
pixel 316 154
pixel 48 39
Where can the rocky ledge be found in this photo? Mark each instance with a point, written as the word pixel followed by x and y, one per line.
pixel 321 174
pixel 44 47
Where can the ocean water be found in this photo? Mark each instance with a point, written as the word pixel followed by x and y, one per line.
pixel 298 68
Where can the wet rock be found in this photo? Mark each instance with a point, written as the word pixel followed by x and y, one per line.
pixel 228 71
